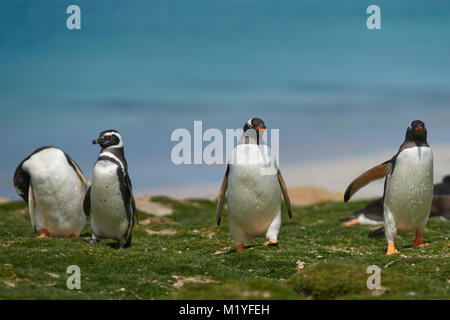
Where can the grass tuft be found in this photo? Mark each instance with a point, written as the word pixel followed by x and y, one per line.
pixel 317 258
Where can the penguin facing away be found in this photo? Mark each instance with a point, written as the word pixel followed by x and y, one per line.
pixel 254 198
pixel 54 186
pixel 408 191
pixel 109 200
pixel 372 214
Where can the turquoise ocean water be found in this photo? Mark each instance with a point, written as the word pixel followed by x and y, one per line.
pixel 309 68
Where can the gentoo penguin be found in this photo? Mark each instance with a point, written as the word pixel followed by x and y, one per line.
pixel 254 195
pixel 408 190
pixel 372 214
pixel 109 200
pixel 53 185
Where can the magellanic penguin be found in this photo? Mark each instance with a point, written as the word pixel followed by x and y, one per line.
pixel 254 196
pixel 109 200
pixel 54 187
pixel 372 214
pixel 408 190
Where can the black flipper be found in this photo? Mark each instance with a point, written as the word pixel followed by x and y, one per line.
pixel 22 181
pixel 130 207
pixel 87 202
pixel 133 202
pixel 127 244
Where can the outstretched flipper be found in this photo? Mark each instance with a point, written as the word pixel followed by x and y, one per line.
pixel 367 177
pixel 221 197
pixel 287 201
pixel 31 207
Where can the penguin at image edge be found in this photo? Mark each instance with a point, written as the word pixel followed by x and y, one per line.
pixel 372 214
pixel 408 190
pixel 254 198
pixel 109 200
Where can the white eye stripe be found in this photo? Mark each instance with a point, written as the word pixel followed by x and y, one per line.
pixel 249 122
pixel 110 134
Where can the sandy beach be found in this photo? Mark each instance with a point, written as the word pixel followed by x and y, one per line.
pixel 320 180
pixel 310 183
pixel 3 200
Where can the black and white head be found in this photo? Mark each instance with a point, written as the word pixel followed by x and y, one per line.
pixel 256 124
pixel 109 139
pixel 417 131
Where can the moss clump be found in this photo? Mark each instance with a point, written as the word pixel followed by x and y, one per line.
pixel 329 280
pixel 253 289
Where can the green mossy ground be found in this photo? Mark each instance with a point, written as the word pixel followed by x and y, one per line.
pixel 198 261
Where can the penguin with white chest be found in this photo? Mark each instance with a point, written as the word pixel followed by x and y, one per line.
pixel 253 192
pixel 408 191
pixel 109 200
pixel 372 214
pixel 54 186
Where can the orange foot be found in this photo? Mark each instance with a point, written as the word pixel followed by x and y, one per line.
pixel 44 234
pixel 271 242
pixel 418 241
pixel 240 248
pixel 73 235
pixel 351 222
pixel 391 249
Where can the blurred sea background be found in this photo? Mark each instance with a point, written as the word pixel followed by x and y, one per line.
pixel 309 68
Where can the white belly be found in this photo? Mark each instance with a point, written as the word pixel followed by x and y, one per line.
pixel 409 189
pixel 58 193
pixel 253 198
pixel 108 214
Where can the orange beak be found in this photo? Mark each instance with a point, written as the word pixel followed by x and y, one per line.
pixel 260 128
pixel 418 128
